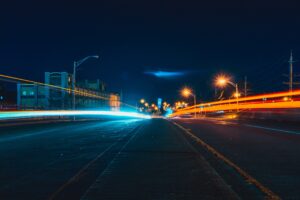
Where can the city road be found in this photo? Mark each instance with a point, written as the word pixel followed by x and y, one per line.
pixel 266 150
pixel 147 159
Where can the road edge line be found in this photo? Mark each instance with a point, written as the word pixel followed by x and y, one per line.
pixel 249 178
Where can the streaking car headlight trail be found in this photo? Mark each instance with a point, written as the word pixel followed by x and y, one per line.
pixel 280 100
pixel 32 114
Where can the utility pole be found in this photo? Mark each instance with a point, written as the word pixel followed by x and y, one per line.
pixel 216 93
pixel 237 97
pixel 291 75
pixel 74 87
pixel 245 87
pixel 195 102
pixel 291 72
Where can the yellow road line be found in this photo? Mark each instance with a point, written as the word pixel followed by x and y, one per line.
pixel 269 194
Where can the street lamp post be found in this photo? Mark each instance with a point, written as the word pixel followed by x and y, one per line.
pixel 195 113
pixel 188 92
pixel 75 65
pixel 222 81
pixel 235 85
pixel 237 96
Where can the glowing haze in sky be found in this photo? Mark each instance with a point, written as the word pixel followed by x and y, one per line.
pixel 166 74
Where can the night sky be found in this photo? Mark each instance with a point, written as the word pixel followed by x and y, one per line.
pixel 193 39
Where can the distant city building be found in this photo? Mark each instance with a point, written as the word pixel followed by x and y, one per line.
pixel 1 92
pixel 91 99
pixel 1 95
pixel 159 102
pixel 114 102
pixel 58 98
pixel 7 98
pixel 31 96
pixel 95 85
pixel 89 95
pixel 101 99
pixel 95 89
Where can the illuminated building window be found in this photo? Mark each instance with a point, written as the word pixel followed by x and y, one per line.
pixel 24 93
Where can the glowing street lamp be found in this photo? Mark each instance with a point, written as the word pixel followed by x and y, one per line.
pixel 236 95
pixel 222 81
pixel 142 101
pixel 186 92
pixel 146 104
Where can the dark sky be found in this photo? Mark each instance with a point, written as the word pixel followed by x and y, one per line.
pixel 241 38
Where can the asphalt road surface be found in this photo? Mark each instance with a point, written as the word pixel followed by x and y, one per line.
pixel 267 150
pixel 147 159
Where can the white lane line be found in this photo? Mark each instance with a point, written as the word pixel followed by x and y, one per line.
pixel 272 129
pixel 82 170
pixel 111 162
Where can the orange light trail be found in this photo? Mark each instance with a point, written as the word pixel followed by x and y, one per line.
pixel 263 101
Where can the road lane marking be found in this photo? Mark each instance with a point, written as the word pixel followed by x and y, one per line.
pixel 272 129
pixel 249 178
pixel 135 132
pixel 77 176
pixel 220 179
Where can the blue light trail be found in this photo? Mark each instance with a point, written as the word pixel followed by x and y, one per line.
pixel 32 114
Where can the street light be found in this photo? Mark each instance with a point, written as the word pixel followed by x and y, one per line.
pixel 222 81
pixel 236 95
pixel 186 92
pixel 75 65
pixel 142 101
